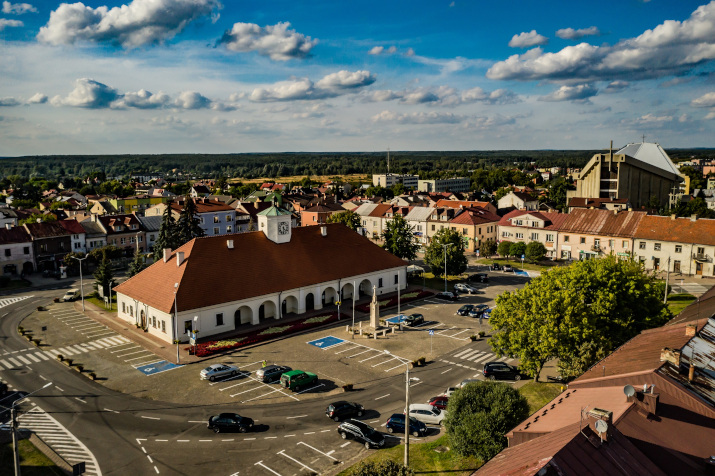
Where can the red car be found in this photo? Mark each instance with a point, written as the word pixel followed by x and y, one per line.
pixel 439 401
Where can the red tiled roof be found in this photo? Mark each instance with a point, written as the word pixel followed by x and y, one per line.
pixel 72 226
pixel 554 220
pixel 461 203
pixel 16 234
pixel 380 210
pixel 602 222
pixel 475 216
pixel 203 206
pixel 48 229
pixel 212 274
pixel 682 230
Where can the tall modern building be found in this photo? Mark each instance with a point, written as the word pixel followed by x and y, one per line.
pixel 637 172
pixel 388 180
pixel 457 184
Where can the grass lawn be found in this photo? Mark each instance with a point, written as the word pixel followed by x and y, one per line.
pixel 540 393
pixel 437 282
pixel 426 461
pixel 99 302
pixel 678 302
pixel 32 461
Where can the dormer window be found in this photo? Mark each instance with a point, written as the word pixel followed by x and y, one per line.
pixel 117 228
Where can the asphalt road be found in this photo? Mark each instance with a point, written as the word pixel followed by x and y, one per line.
pixel 129 435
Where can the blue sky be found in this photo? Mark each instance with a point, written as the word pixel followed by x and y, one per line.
pixel 165 76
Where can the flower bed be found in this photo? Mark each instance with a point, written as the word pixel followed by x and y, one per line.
pixel 205 349
pixel 405 298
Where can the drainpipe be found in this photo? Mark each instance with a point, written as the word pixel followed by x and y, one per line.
pixel 280 305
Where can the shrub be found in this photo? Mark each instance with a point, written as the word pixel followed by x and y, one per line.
pixel 69 362
pixel 482 333
pixel 422 360
pixel 28 337
pixel 20 329
pixel 60 357
pixel 274 330
pixel 36 342
pixel 40 308
pixel 56 300
pixel 381 468
pixel 473 337
pixel 79 368
pixel 93 375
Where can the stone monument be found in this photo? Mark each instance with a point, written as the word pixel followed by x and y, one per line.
pixel 374 310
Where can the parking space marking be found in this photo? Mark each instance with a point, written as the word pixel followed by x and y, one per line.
pixel 465 330
pixel 317 450
pixel 351 356
pixel 134 346
pixel 311 388
pixel 260 463
pixel 263 395
pixel 377 355
pixel 449 369
pixel 386 361
pixel 281 452
pixel 378 398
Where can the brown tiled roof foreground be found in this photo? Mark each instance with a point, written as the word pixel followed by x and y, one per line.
pixel 681 230
pixel 213 274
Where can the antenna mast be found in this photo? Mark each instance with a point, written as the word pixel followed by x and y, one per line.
pixel 388 160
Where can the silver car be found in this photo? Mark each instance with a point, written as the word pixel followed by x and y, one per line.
pixel 215 371
pixel 272 373
pixel 465 289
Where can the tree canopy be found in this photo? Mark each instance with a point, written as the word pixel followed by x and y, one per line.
pixel 435 253
pixel 168 236
pixel 504 248
pixel 480 414
pixel 398 238
pixel 187 227
pixel 517 249
pixel 348 218
pixel 103 276
pixel 535 251
pixel 576 314
pixel 487 248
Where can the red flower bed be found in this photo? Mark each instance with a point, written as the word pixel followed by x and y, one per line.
pixel 216 346
pixel 393 301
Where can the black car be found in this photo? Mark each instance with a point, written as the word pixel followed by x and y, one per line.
pixel 447 296
pixel 495 267
pixel 507 268
pixel 501 371
pixel 230 422
pixel 3 388
pixel 479 278
pixel 272 373
pixel 342 409
pixel 361 432
pixel 465 310
pixel 478 310
pixel 414 319
pixel 396 424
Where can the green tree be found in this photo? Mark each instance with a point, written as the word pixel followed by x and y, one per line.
pixel 137 264
pixel 576 313
pixel 348 218
pixel 398 238
pixel 37 216
pixel 187 227
pixel 381 468
pixel 517 249
pixel 535 251
pixel 103 276
pixel 557 192
pixel 435 252
pixel 72 263
pixel 111 252
pixel 398 189
pixel 501 192
pixel 504 248
pixel 696 206
pixel 168 236
pixel 480 414
pixel 487 248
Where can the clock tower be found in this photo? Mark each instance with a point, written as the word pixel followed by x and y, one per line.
pixel 275 223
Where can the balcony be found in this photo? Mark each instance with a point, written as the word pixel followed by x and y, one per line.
pixel 702 257
pixel 596 248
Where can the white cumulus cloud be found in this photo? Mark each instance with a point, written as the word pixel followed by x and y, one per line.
pixel 139 23
pixel 578 93
pixel 278 42
pixel 378 50
pixel 616 86
pixel 9 102
pixel 346 80
pixel 527 40
pixel 4 23
pixel 706 100
pixel 143 99
pixel 572 34
pixel 38 98
pixel 331 85
pixel 192 100
pixel 444 96
pixel 418 118
pixel 89 94
pixel 17 8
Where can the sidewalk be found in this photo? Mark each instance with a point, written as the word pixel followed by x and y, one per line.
pixel 167 351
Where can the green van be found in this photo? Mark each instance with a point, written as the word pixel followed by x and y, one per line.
pixel 295 379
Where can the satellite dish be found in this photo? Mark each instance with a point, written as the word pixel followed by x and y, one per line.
pixel 601 426
pixel 629 390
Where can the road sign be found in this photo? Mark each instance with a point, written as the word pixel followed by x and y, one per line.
pixel 431 332
pixel 192 341
pixel 522 257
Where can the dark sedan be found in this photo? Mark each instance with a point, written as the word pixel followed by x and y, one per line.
pixel 447 296
pixel 478 309
pixel 230 422
pixel 479 278
pixel 342 409
pixel 465 310
pixel 501 371
pixel 413 320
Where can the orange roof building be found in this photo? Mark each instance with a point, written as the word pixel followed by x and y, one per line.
pixel 248 278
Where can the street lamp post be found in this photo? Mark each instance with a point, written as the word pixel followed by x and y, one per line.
pixel 445 264
pixel 352 329
pixel 81 281
pixel 13 423
pixel 407 411
pixel 176 323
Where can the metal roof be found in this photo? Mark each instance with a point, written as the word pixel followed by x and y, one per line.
pixel 650 153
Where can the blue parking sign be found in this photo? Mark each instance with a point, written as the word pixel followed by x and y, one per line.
pixel 431 332
pixel 325 342
pixel 157 367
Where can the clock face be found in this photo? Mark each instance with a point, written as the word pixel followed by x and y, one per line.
pixel 283 228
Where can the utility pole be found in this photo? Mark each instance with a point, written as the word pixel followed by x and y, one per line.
pixel 16 454
pixel 81 281
pixel 667 276
pixel 407 414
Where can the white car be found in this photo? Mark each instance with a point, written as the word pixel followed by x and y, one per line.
pixel 450 391
pixel 212 372
pixel 427 413
pixel 71 295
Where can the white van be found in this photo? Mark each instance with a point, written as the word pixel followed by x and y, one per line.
pixel 71 295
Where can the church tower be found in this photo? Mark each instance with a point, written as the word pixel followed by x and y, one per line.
pixel 275 223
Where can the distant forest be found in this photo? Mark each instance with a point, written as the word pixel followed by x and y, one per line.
pixel 429 165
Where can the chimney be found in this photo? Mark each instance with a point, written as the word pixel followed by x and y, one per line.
pixel 615 211
pixel 179 258
pixel 693 217
pixel 324 230
pixel 670 355
pixel 691 373
pixel 690 330
pixel 8 225
pixel 167 254
pixel 229 244
pixel 672 217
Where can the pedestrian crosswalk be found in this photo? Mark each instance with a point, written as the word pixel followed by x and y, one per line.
pixel 59 439
pixel 470 358
pixel 16 359
pixel 7 301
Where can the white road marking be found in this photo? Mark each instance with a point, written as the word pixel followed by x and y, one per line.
pixel 260 463
pixel 345 444
pixel 281 452
pixel 449 369
pixel 299 416
pixel 150 418
pixel 378 398
pixel 311 388
pixel 316 450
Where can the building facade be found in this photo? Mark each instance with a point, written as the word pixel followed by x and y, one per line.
pixel 457 184
pixel 388 180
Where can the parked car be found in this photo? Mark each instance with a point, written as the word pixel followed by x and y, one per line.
pixel 271 373
pixel 230 422
pixel 450 391
pixel 478 309
pixel 496 267
pixel 215 371
pixel 342 409
pixel 467 381
pixel 362 432
pixel 507 268
pixel 447 296
pixel 396 424
pixel 465 310
pixel 465 288
pixel 439 401
pixel 71 295
pixel 479 278
pixel 297 379
pixel 414 319
pixel 501 371
pixel 426 413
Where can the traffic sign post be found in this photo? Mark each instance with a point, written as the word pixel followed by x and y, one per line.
pixel 522 262
pixel 431 334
